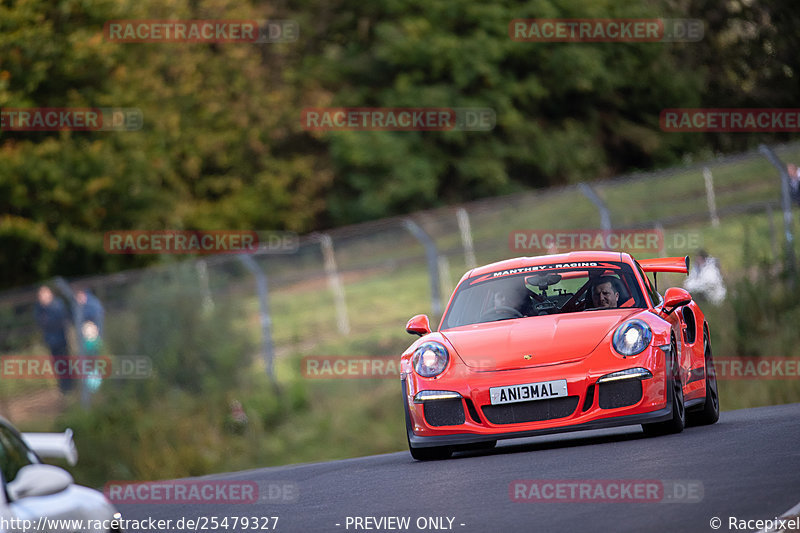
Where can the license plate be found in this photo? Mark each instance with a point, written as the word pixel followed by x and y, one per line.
pixel 528 391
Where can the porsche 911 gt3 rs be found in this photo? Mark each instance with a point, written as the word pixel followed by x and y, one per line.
pixel 557 343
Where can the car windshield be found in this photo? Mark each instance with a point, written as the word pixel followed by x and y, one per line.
pixel 544 290
pixel 13 454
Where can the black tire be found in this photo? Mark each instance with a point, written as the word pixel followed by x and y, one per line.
pixel 678 420
pixel 709 414
pixel 433 453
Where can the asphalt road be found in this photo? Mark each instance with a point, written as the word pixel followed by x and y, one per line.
pixel 746 466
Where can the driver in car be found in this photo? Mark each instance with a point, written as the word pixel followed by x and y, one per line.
pixel 604 293
pixel 501 299
pixel 506 302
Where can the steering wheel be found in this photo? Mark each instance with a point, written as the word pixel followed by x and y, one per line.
pixel 501 311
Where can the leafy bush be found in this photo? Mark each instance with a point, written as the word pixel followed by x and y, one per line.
pixel 193 343
pixel 766 307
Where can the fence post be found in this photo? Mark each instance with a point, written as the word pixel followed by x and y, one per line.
pixel 786 204
pixel 466 237
pixel 659 227
pixel 710 198
pixel 202 274
pixel 444 274
pixel 334 282
pixel 432 255
pixel 267 348
pixel 605 216
pixel 773 240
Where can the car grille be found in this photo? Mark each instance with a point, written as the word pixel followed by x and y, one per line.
pixel 444 412
pixel 534 411
pixel 620 393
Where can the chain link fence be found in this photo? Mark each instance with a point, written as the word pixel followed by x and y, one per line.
pixel 337 285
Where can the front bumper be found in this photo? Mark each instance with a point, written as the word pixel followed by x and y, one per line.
pixel 588 404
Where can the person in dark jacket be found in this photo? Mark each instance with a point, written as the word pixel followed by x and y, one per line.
pixel 53 319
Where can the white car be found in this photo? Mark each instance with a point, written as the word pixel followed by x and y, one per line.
pixel 41 497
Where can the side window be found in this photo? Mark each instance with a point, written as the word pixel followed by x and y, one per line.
pixel 13 454
pixel 630 289
pixel 654 296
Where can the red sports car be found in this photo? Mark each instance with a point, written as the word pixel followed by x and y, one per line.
pixel 557 343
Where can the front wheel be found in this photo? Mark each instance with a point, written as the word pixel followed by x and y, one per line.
pixel 678 420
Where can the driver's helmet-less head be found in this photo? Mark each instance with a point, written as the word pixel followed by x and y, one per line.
pixel 501 299
pixel 605 292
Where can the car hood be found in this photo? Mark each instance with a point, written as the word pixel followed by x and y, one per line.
pixel 549 339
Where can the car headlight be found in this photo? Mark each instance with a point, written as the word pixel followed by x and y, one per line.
pixel 632 337
pixel 430 359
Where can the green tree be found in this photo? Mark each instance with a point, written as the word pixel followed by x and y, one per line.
pixel 565 111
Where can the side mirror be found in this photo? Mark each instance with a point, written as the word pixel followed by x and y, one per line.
pixel 53 445
pixel 38 480
pixel 674 298
pixel 419 325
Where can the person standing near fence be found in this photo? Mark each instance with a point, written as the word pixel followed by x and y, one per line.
pixel 53 319
pixel 794 182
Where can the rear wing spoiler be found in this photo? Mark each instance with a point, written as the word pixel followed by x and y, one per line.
pixel 666 264
pixel 53 445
